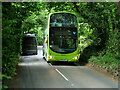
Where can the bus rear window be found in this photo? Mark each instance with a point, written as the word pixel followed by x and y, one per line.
pixel 63 40
pixel 29 40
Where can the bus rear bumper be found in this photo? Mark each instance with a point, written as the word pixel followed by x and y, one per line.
pixel 63 58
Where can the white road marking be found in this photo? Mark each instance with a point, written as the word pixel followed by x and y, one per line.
pixel 50 64
pixel 61 74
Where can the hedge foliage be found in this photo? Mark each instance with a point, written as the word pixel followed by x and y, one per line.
pixel 100 28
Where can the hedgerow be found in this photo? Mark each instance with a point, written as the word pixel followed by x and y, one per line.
pixel 101 29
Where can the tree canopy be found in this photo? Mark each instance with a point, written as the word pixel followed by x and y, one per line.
pixel 98 22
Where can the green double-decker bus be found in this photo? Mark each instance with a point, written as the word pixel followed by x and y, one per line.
pixel 61 38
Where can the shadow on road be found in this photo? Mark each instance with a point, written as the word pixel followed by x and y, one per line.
pixel 29 58
pixel 61 63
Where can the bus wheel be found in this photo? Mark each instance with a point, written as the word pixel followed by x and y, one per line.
pixel 44 58
pixel 43 55
pixel 48 61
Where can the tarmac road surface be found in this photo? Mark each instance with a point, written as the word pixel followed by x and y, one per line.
pixel 35 72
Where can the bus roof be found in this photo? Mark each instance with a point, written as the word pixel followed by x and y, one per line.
pixel 29 35
pixel 63 12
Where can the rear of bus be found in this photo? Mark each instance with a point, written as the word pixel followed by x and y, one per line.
pixel 29 44
pixel 63 38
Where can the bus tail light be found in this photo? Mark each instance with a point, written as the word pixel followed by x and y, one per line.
pixel 74 57
pixel 76 54
pixel 51 57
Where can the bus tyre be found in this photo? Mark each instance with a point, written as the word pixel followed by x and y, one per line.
pixel 43 57
pixel 48 61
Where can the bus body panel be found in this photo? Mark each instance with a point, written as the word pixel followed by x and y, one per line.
pixel 70 57
pixel 50 55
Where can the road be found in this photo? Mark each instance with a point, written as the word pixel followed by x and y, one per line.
pixel 35 72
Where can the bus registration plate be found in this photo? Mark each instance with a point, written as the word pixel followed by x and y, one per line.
pixel 63 60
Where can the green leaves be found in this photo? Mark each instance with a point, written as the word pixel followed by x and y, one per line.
pixel 5 76
pixel 11 35
pixel 99 28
